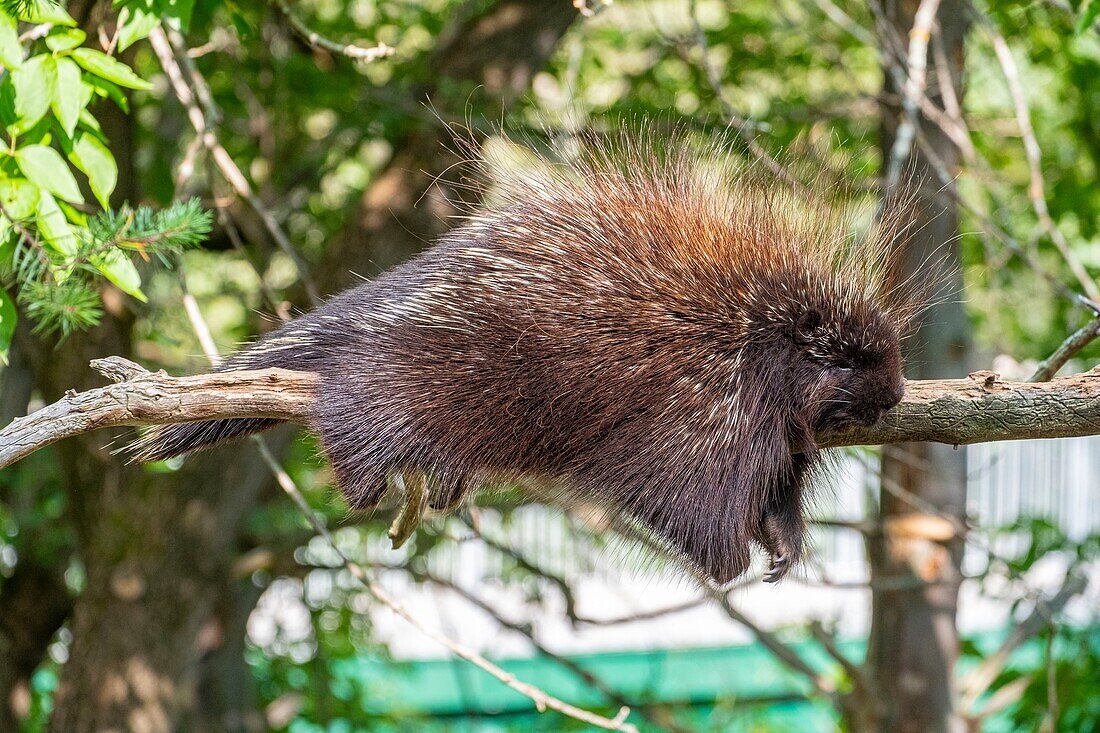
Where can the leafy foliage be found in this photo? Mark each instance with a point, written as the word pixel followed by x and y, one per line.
pixel 52 253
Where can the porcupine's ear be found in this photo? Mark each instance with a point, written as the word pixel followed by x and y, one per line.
pixel 805 324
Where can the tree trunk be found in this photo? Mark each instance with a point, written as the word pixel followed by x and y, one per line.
pixel 914 639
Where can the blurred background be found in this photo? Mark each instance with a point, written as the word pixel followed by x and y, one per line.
pixel 948 589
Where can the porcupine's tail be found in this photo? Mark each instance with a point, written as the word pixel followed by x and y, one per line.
pixel 290 347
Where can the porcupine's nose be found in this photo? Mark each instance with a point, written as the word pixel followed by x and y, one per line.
pixel 899 394
pixel 891 401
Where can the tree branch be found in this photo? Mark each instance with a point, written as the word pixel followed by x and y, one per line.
pixel 140 397
pixel 978 409
pixel 982 409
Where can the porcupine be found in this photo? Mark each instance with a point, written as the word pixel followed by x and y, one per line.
pixel 643 326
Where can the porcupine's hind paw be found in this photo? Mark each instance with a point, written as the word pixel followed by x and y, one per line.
pixel 782 538
pixel 777 569
pixel 414 486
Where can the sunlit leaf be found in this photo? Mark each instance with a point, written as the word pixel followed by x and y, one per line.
pixel 19 197
pixel 34 83
pixel 134 24
pixel 45 167
pixel 44 11
pixel 65 40
pixel 110 69
pixel 53 226
pixel 93 157
pixel 117 267
pixel 11 51
pixel 68 95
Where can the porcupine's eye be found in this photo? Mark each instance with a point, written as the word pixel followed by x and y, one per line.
pixel 841 397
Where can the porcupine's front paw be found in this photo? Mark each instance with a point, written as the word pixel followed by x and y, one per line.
pixel 783 532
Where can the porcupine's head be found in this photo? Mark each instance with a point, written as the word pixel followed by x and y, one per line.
pixel 847 360
pixel 834 315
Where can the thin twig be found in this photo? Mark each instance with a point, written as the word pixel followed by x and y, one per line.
pixel 542 700
pixel 860 680
pixel 1076 341
pixel 525 630
pixel 822 685
pixel 365 54
pixel 1036 190
pixel 229 169
pixel 978 681
pixel 740 124
pixel 947 181
pixel 846 22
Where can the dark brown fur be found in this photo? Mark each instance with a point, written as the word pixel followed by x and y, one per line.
pixel 641 327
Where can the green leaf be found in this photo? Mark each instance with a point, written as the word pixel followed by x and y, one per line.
pixel 44 11
pixel 8 241
pixel 117 267
pixel 53 226
pixel 134 24
pixel 68 95
pixel 1088 16
pixel 11 51
pixel 104 88
pixel 19 197
pixel 8 317
pixel 93 157
pixel 8 115
pixel 45 167
pixel 111 69
pixel 87 119
pixel 65 39
pixel 34 83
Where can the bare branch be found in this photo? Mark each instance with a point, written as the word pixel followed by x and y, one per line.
pixel 982 408
pixel 1036 190
pixel 203 120
pixel 912 91
pixel 146 398
pixel 821 683
pixel 740 124
pixel 1076 341
pixel 979 680
pixel 657 717
pixel 860 680
pixel 365 54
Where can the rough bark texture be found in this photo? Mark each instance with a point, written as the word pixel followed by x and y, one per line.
pixel 914 639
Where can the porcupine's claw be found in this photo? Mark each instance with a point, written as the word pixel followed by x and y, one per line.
pixel 415 489
pixel 778 568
